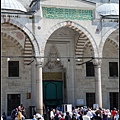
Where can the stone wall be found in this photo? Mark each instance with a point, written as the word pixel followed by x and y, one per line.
pixel 18 85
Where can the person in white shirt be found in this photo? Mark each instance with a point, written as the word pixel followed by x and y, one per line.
pixel 108 114
pixel 85 116
pixel 89 113
pixel 1 117
pixel 52 114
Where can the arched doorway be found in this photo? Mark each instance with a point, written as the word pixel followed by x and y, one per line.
pixel 70 44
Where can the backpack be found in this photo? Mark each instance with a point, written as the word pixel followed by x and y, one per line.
pixel 13 114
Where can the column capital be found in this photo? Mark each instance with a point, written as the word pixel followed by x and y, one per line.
pixel 97 62
pixel 39 62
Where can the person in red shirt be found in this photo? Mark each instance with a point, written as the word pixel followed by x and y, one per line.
pixel 113 113
pixel 62 117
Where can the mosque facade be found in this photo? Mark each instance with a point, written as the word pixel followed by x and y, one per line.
pixel 58 52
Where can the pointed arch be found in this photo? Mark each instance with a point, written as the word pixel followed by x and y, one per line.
pixel 104 38
pixel 77 28
pixel 27 32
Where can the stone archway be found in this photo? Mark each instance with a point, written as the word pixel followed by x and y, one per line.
pixel 80 29
pixel 104 38
pixel 83 36
pixel 26 31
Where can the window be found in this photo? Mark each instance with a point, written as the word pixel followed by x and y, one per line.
pixel 13 68
pixel 90 99
pixel 113 100
pixel 90 69
pixel 113 69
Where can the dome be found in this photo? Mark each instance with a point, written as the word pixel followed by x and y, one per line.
pixel 108 9
pixel 12 5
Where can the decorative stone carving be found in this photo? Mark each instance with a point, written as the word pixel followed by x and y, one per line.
pixel 19 35
pixel 52 58
pixel 97 62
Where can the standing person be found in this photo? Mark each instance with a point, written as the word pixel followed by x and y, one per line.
pixel 105 116
pixel 21 112
pixel 19 116
pixel 68 117
pixel 56 116
pixel 97 115
pixel 4 116
pixel 47 113
pixel 44 112
pixel 22 109
pixel 74 116
pixel 60 114
pixel 1 117
pixel 113 113
pixel 52 114
pixel 85 116
pixel 34 118
pixel 108 114
pixel 81 114
pixel 89 113
pixel 116 117
pixel 14 113
pixel 62 117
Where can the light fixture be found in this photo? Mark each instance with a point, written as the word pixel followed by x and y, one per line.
pixel 8 59
pixel 58 59
pixel 79 60
pixel 68 59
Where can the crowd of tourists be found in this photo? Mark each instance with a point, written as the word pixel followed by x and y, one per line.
pixel 83 114
pixel 19 113
pixel 80 113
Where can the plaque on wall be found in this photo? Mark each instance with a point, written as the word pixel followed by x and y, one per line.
pixel 80 101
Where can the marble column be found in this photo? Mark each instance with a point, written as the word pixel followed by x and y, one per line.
pixel 33 81
pixel 98 87
pixel 39 89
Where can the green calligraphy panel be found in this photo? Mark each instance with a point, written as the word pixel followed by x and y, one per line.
pixel 68 14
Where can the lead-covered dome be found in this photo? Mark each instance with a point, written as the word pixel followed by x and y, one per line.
pixel 108 9
pixel 12 5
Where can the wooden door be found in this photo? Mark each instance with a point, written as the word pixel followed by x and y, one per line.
pixel 13 101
